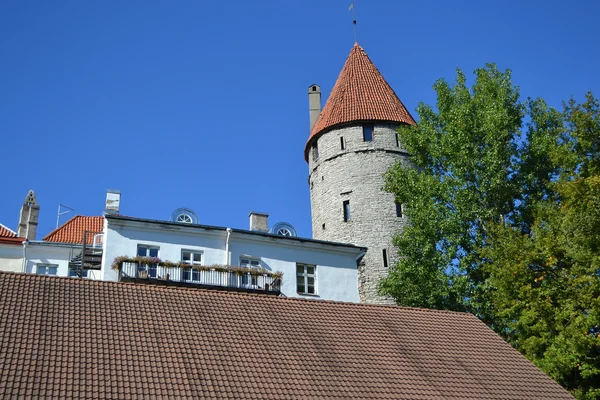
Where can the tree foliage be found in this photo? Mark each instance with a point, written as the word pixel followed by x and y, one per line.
pixel 504 210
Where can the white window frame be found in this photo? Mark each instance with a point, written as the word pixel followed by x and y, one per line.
pixel 147 268
pixel 304 277
pixel 253 280
pixel 46 266
pixel 192 274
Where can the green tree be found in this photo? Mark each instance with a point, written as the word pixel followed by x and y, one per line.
pixel 496 182
pixel 547 286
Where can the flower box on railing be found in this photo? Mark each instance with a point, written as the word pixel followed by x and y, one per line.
pixel 152 268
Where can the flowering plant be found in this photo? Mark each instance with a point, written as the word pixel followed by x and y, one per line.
pixel 118 263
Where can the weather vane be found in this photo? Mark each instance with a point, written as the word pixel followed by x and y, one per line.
pixel 351 8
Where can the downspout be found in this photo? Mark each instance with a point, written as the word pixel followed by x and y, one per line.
pixel 227 246
pixel 25 243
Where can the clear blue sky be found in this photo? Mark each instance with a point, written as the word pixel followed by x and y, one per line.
pixel 204 104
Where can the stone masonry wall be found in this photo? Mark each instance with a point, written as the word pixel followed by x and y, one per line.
pixel 356 174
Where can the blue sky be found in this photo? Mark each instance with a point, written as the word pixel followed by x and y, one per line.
pixel 203 104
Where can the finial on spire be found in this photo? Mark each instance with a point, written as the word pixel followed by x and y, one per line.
pixel 351 8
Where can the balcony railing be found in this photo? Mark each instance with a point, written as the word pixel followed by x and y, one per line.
pixel 205 277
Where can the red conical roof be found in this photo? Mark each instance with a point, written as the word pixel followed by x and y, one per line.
pixel 360 94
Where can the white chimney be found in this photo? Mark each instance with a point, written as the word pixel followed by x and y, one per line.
pixel 113 202
pixel 259 221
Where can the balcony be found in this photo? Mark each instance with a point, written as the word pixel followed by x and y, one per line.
pixel 217 277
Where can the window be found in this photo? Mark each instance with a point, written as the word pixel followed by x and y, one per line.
pixel 315 150
pixel 253 263
pixel 47 269
pixel 346 206
pixel 399 210
pixel 385 259
pixel 306 276
pixel 342 144
pixel 73 273
pixel 187 219
pixel 367 133
pixel 191 257
pixel 147 270
pixel 397 141
pixel 323 226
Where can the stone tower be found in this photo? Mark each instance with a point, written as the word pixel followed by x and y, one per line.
pixel 28 220
pixel 352 143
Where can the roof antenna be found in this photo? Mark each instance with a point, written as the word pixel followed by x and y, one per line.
pixel 60 206
pixel 353 20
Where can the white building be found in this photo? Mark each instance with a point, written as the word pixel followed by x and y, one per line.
pixel 309 268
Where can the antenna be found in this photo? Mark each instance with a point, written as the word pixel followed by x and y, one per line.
pixel 59 213
pixel 351 8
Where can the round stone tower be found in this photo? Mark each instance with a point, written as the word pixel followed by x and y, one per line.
pixel 352 143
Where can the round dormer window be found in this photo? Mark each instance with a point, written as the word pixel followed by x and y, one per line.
pixel 284 232
pixel 284 229
pixel 184 216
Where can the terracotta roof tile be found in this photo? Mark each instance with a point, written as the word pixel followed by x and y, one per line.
pixel 72 230
pixel 93 339
pixel 7 232
pixel 359 94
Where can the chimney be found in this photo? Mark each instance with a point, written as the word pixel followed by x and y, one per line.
pixel 314 103
pixel 113 202
pixel 259 221
pixel 28 221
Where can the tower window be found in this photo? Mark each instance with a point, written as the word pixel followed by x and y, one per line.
pixel 385 259
pixel 367 133
pixel 314 88
pixel 315 152
pixel 346 206
pixel 323 226
pixel 342 144
pixel 399 210
pixel 397 140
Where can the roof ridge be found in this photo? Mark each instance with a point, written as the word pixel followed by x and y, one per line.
pixel 148 286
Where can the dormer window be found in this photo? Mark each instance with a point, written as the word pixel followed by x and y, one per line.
pixel 368 133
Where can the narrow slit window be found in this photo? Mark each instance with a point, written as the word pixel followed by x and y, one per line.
pixel 342 144
pixel 346 206
pixel 315 152
pixel 385 259
pixel 399 210
pixel 368 133
pixel 397 141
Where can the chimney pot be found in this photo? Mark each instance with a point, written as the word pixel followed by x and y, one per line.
pixel 259 221
pixel 314 103
pixel 113 202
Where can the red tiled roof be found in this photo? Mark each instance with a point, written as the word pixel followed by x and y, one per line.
pixel 8 236
pixel 360 94
pixel 94 339
pixel 72 230
pixel 6 232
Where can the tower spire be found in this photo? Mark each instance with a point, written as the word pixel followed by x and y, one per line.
pixel 353 20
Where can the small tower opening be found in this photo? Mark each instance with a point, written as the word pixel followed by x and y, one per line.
pixel 368 133
pixel 346 207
